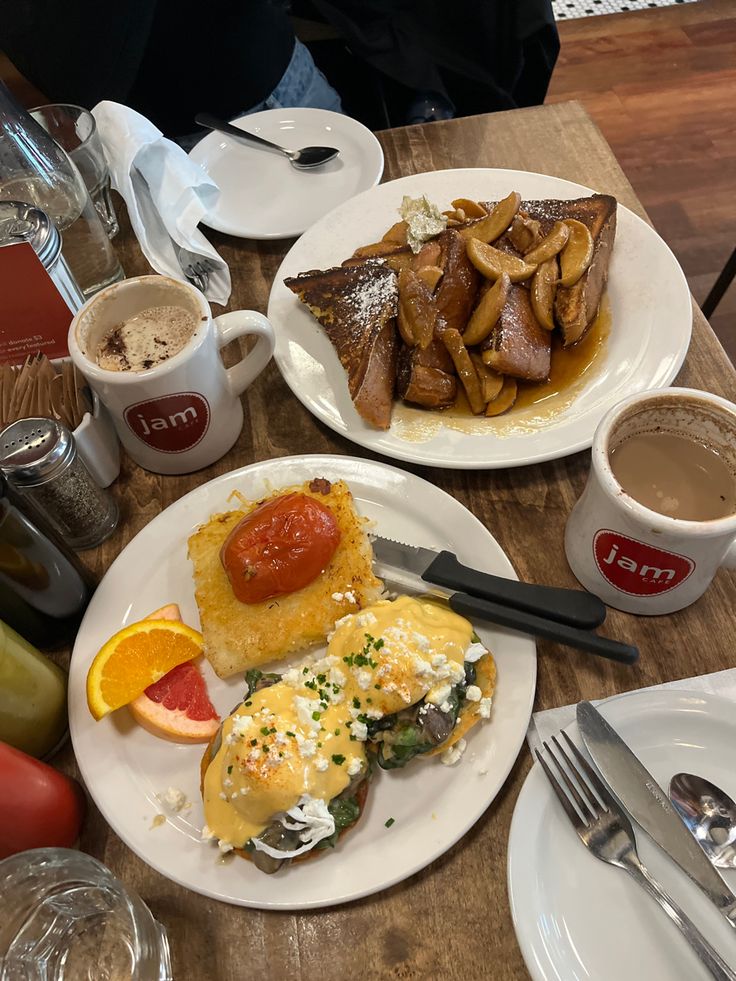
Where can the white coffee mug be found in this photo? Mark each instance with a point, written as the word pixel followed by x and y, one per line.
pixel 184 413
pixel 636 559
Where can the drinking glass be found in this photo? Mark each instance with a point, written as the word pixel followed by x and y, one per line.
pixel 66 917
pixel 75 130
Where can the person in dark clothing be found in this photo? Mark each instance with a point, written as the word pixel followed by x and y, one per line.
pixel 469 55
pixel 168 59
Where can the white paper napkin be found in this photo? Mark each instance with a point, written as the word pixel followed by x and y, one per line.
pixel 549 722
pixel 166 193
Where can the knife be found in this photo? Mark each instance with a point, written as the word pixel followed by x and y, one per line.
pixel 571 606
pixel 404 580
pixel 645 801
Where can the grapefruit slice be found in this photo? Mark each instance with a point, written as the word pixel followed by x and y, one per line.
pixel 177 707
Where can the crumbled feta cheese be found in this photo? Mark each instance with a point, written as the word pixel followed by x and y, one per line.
pixel 366 619
pixel 421 641
pixel 456 671
pixel 223 795
pixel 241 725
pixel 445 706
pixel 338 597
pixel 439 660
pixel 206 834
pixel 453 754
pixel 227 782
pixel 475 652
pixel 244 791
pixel 350 597
pixel 438 694
pixel 174 799
pixel 364 678
pixel 355 765
pixel 473 693
pixel 305 709
pixel 484 708
pixel 321 764
pixel 224 846
pixel 307 747
pixel 482 769
pixel 294 677
pixel 359 730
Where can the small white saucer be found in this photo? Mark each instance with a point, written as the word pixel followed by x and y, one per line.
pixel 262 196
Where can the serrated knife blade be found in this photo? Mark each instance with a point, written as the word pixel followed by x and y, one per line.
pixel 646 802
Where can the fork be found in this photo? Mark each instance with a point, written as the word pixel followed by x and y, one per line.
pixel 195 267
pixel 606 831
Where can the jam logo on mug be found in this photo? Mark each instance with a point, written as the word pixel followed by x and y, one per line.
pixel 171 423
pixel 637 568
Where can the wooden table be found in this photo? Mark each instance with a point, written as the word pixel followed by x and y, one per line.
pixel 452 920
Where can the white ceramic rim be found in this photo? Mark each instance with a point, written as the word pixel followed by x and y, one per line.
pixel 92 750
pixel 122 378
pixel 474 459
pixel 658 523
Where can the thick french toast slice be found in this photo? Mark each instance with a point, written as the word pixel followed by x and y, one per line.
pixel 357 306
pixel 518 345
pixel 576 306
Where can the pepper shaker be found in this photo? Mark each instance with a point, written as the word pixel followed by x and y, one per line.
pixel 40 462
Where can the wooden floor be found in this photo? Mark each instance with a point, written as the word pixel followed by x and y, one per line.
pixel 661 85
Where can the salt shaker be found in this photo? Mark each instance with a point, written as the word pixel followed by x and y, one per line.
pixel 40 462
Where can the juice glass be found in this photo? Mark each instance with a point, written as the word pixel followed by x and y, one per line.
pixel 33 714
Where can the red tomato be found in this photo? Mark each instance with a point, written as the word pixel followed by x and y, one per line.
pixel 40 806
pixel 280 547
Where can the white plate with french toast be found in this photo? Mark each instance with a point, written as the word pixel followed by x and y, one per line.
pixel 577 327
pixel 149 789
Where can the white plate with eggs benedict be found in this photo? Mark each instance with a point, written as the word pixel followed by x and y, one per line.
pixel 152 795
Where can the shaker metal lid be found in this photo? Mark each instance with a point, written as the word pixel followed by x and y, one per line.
pixel 33 450
pixel 21 222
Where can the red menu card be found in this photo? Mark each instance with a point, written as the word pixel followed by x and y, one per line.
pixel 33 314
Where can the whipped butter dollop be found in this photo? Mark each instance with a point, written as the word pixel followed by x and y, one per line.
pixel 424 220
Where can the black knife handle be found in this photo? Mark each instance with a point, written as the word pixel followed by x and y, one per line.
pixel 571 606
pixel 528 623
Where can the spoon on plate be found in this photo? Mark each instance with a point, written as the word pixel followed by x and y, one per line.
pixel 709 814
pixel 304 159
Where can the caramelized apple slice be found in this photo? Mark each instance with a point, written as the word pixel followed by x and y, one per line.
pixel 429 255
pixel 418 307
pixel 577 254
pixel 525 233
pixel 496 222
pixel 490 381
pixel 377 250
pixel 550 245
pixel 431 275
pixel 505 398
pixel 397 233
pixel 487 312
pixel 472 209
pixel 465 368
pixel 542 293
pixel 493 263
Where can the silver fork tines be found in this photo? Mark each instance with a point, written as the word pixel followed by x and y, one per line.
pixel 606 831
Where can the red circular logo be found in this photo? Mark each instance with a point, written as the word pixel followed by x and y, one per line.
pixel 171 423
pixel 637 568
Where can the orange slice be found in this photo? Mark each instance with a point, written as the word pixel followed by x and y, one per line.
pixel 136 657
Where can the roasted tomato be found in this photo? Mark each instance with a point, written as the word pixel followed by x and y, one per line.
pixel 40 806
pixel 280 547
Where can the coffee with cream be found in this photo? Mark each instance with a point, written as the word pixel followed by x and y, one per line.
pixel 676 476
pixel 145 340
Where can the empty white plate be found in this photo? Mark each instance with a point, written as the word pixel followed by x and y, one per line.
pixel 262 196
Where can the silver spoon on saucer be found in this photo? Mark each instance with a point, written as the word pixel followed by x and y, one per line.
pixel 304 159
pixel 709 814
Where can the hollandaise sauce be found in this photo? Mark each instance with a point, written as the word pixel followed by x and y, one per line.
pixel 299 743
pixel 278 748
